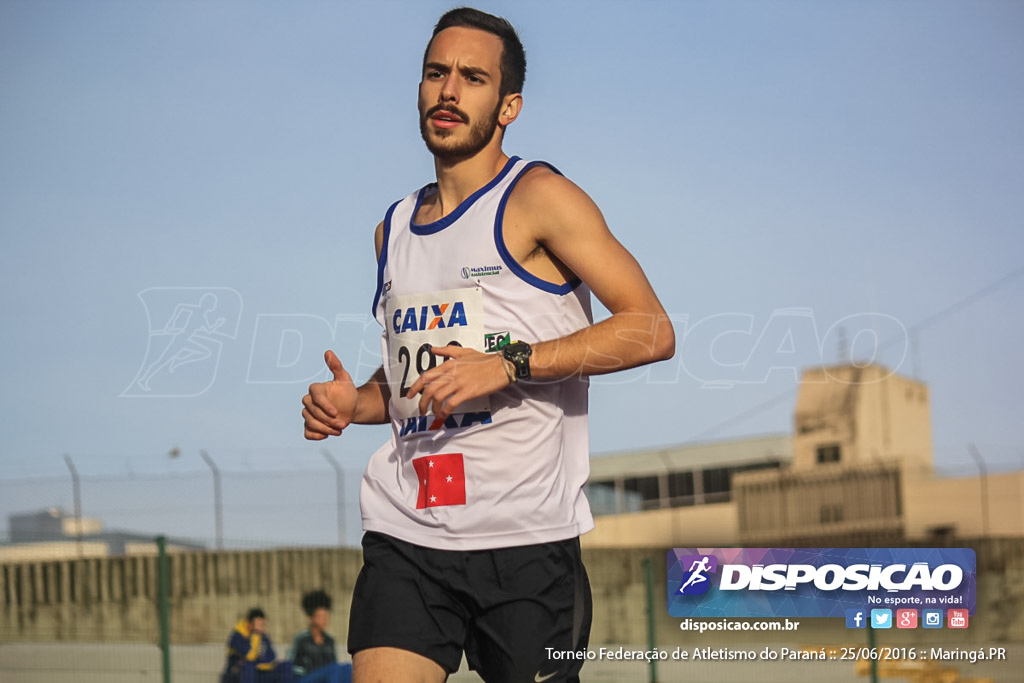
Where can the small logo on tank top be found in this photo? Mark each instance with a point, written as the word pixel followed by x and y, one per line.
pixel 496 341
pixel 470 272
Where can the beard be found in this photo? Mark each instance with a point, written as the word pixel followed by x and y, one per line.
pixel 441 142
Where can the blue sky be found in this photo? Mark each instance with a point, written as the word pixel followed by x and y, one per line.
pixel 775 167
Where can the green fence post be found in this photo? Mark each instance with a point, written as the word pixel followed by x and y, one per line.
pixel 871 648
pixel 651 639
pixel 163 606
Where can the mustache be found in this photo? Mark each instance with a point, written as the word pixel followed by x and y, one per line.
pixel 449 108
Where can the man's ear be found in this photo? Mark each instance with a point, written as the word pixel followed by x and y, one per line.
pixel 511 105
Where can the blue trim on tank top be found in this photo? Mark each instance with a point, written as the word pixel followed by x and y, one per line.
pixel 513 265
pixel 383 258
pixel 442 223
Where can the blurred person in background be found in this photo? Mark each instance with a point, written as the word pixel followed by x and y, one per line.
pixel 251 656
pixel 312 654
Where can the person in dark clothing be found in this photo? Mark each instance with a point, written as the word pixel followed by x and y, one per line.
pixel 312 653
pixel 251 657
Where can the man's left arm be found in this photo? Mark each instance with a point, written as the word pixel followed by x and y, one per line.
pixel 568 224
pixel 550 212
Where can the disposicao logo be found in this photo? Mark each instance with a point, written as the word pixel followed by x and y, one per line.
pixel 822 582
pixel 696 580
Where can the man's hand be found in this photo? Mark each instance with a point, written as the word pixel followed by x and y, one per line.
pixel 329 407
pixel 465 375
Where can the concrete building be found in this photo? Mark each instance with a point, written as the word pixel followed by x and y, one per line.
pixel 53 535
pixel 49 524
pixel 857 470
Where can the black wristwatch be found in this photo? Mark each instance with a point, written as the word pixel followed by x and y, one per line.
pixel 518 353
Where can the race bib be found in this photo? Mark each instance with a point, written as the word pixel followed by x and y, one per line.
pixel 416 322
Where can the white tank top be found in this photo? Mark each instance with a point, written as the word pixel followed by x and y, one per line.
pixel 508 469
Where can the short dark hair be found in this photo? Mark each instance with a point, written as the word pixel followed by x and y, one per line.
pixel 314 600
pixel 255 613
pixel 513 56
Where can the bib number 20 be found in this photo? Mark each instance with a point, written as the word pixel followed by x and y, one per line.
pixel 424 360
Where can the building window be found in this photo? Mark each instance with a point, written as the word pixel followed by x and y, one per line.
pixel 717 484
pixel 942 532
pixel 831 514
pixel 828 453
pixel 604 499
pixel 647 488
pixel 680 489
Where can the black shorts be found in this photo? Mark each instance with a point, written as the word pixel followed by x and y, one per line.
pixel 505 608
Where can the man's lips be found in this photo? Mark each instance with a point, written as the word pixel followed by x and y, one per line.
pixel 446 119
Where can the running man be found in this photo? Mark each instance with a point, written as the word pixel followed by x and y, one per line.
pixel 697 569
pixel 190 328
pixel 474 508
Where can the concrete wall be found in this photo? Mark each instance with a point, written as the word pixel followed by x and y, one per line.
pixel 714 524
pixel 830 500
pixel 72 549
pixel 113 600
pixel 53 550
pixel 871 413
pixel 970 506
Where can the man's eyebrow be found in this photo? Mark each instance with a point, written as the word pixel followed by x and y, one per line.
pixel 464 70
pixel 474 71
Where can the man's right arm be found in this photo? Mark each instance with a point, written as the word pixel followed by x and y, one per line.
pixel 331 406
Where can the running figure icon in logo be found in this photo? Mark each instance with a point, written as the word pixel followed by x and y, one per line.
pixel 700 566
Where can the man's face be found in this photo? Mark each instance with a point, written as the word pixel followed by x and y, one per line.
pixel 259 625
pixel 320 618
pixel 459 98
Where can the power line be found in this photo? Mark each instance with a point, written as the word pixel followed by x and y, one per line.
pixel 968 300
pixel 742 417
pixel 949 310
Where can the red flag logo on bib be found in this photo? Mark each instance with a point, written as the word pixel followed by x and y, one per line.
pixel 442 480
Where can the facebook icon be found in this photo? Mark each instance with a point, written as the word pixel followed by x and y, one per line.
pixel 855 618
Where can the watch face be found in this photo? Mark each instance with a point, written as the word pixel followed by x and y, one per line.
pixel 519 354
pixel 517 350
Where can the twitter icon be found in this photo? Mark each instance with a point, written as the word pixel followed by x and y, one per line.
pixel 881 618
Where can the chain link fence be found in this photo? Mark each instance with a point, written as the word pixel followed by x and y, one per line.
pixel 78 579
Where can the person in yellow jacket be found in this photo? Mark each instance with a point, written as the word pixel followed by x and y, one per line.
pixel 251 657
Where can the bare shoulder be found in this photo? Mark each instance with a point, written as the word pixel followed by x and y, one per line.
pixel 540 187
pixel 554 205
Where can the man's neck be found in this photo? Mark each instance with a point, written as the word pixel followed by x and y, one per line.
pixel 457 180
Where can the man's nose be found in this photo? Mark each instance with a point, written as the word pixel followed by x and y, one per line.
pixel 450 89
